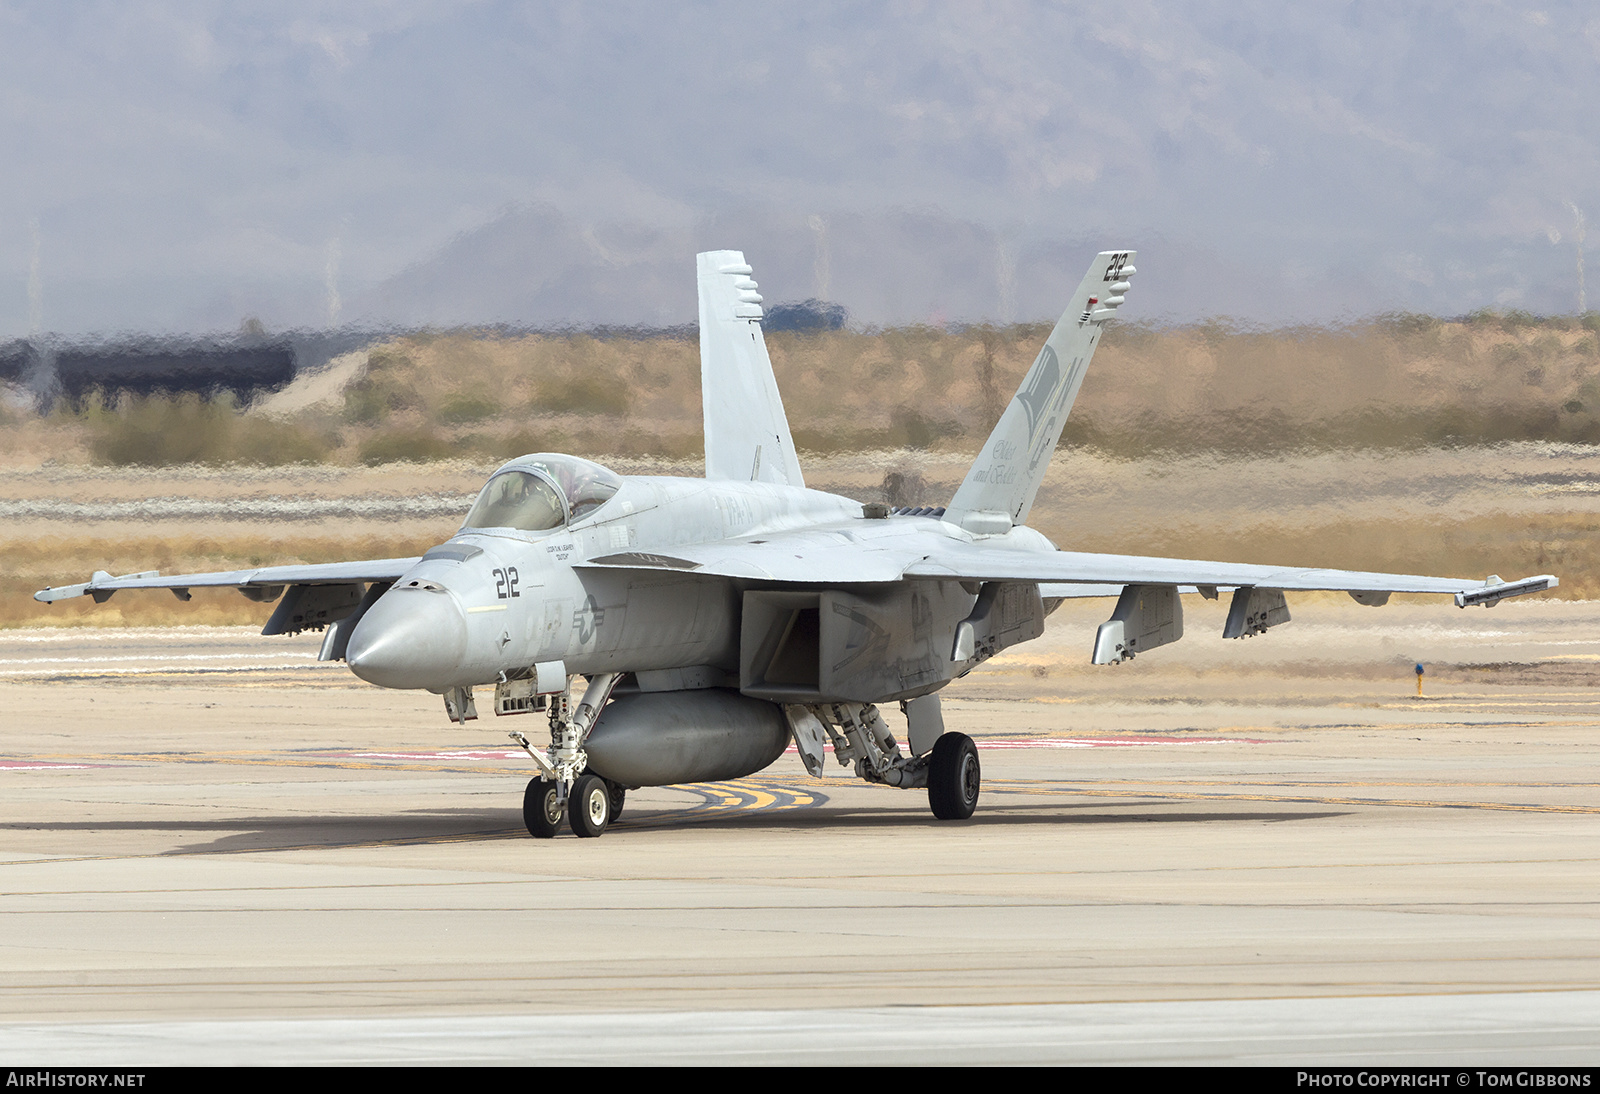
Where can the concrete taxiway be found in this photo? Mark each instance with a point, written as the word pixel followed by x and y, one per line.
pixel 214 849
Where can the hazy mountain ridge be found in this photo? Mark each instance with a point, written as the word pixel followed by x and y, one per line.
pixel 535 266
pixel 182 170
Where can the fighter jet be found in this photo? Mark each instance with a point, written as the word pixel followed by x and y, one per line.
pixel 710 622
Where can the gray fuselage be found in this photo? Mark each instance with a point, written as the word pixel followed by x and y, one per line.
pixel 493 601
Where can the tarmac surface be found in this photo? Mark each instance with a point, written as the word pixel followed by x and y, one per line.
pixel 214 849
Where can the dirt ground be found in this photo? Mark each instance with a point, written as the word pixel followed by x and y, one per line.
pixel 1513 510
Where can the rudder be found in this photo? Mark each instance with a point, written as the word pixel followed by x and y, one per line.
pixel 999 489
pixel 746 431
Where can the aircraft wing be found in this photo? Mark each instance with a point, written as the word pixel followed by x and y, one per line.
pixel 838 557
pixel 102 584
pixel 975 562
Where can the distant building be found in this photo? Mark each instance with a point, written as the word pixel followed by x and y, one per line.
pixel 807 317
pixel 246 369
pixel 16 360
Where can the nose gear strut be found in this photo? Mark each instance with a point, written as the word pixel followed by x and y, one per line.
pixel 562 765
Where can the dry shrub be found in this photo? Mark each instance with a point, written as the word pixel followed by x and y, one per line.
pixel 387 386
pixel 465 406
pixel 417 444
pixel 583 394
pixel 162 431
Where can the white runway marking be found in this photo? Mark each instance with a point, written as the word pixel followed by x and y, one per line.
pixel 165 658
pixel 130 634
pixel 167 666
pixel 1443 1031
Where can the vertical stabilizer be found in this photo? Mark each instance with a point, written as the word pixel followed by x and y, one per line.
pixel 1000 487
pixel 747 433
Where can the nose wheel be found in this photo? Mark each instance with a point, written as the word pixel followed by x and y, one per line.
pixel 589 806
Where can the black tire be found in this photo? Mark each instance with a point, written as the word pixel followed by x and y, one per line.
pixel 541 809
pixel 589 806
pixel 954 777
pixel 619 794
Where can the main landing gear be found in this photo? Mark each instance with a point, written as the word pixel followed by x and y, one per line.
pixel 859 737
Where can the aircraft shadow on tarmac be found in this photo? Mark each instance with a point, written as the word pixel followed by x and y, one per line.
pixel 237 835
pixel 993 816
pixel 245 834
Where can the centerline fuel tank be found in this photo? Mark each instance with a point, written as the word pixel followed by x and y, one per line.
pixel 666 737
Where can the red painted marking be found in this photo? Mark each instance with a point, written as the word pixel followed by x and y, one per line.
pixel 491 755
pixel 1095 742
pixel 435 756
pixel 1108 742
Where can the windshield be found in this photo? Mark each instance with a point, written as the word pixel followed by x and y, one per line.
pixel 517 499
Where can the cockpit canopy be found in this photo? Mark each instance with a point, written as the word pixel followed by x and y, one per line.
pixel 541 492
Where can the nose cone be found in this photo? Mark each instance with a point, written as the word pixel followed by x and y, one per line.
pixel 411 638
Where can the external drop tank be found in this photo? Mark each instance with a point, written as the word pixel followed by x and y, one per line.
pixel 666 737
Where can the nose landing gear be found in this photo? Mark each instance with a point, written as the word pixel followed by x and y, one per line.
pixel 589 802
